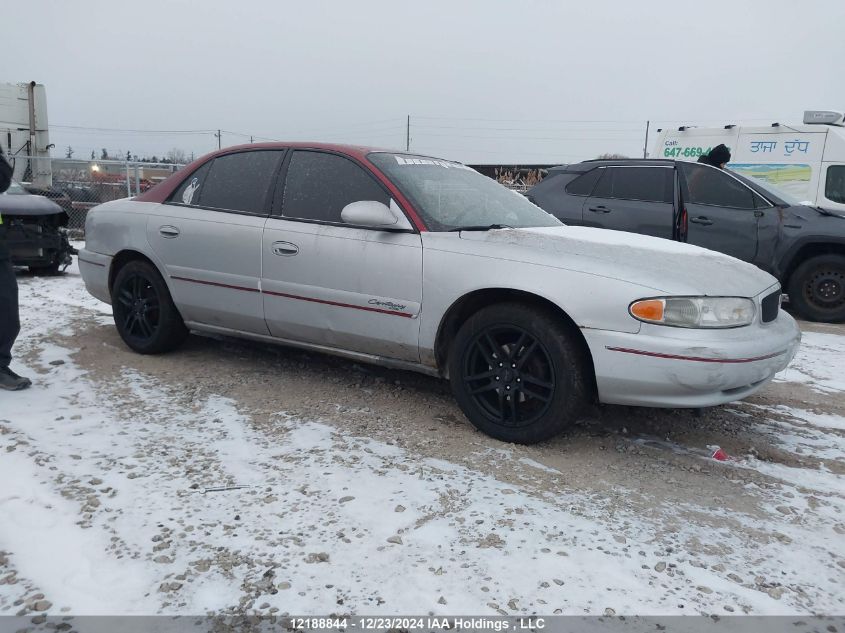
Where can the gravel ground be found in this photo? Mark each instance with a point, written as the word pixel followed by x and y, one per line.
pixel 230 477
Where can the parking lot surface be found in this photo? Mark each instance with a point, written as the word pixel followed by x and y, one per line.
pixel 231 477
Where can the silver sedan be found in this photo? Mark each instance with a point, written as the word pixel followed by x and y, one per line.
pixel 423 264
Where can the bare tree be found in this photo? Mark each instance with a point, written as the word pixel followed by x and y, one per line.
pixel 178 156
pixel 610 156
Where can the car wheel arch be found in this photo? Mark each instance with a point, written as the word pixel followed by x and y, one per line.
pixel 126 256
pixel 470 303
pixel 806 251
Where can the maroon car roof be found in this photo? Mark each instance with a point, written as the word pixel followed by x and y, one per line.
pixel 162 191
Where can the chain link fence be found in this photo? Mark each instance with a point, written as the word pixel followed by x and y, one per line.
pixel 79 185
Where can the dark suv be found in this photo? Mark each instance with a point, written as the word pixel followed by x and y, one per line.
pixel 804 247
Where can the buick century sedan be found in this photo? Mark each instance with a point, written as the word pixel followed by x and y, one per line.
pixel 420 263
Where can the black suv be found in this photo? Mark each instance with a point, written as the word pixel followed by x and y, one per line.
pixel 804 247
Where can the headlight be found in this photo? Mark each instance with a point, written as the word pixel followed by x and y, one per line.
pixel 695 312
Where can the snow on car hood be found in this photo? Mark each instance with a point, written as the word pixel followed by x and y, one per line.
pixel 665 265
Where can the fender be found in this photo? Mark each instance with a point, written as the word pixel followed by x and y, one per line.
pixel 793 256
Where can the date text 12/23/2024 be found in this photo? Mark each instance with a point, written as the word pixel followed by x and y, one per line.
pixel 414 623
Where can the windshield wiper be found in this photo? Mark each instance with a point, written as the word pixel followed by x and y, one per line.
pixel 481 227
pixel 827 212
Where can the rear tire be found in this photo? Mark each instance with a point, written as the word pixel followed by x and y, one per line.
pixel 144 313
pixel 517 373
pixel 817 289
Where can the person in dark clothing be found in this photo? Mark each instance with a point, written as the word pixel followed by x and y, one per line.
pixel 10 324
pixel 719 156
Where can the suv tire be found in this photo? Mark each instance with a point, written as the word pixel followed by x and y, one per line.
pixel 817 288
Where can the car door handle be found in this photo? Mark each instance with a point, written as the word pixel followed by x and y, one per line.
pixel 701 220
pixel 285 249
pixel 600 209
pixel 168 231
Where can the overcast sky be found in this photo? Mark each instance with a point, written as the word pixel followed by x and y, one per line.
pixel 483 81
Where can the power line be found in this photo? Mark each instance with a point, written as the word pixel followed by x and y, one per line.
pixel 534 138
pixel 129 131
pixel 524 129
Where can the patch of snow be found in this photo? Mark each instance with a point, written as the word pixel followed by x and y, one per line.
pixel 818 363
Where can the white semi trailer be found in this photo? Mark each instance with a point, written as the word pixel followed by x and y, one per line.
pixel 24 131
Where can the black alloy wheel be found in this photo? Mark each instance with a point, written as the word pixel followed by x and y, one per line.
pixel 139 308
pixel 509 375
pixel 144 313
pixel 518 372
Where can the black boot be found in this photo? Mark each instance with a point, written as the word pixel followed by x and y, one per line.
pixel 10 381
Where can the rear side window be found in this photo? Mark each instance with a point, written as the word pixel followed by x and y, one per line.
pixel 834 185
pixel 583 185
pixel 648 184
pixel 240 182
pixel 189 191
pixel 712 186
pixel 319 185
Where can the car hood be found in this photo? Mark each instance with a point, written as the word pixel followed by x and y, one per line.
pixel 807 217
pixel 665 266
pixel 27 204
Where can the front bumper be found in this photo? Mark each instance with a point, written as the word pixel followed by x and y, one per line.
pixel 94 269
pixel 674 367
pixel 32 244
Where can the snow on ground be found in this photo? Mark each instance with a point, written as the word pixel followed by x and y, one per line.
pixel 819 364
pixel 121 497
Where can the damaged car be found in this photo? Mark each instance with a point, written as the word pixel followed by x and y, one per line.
pixel 420 263
pixel 35 231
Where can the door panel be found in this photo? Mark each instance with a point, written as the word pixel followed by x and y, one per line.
pixel 648 218
pixel 209 238
pixel 721 211
pixel 635 199
pixel 343 287
pixel 727 230
pixel 213 260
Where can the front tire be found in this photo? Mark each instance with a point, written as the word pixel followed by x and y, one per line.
pixel 817 289
pixel 144 313
pixel 517 373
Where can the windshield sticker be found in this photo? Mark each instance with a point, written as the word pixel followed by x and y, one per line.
pixel 402 160
pixel 190 190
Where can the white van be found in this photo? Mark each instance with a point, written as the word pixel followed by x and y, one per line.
pixel 807 162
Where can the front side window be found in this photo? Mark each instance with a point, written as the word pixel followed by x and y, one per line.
pixel 240 182
pixel 450 195
pixel 834 185
pixel 319 185
pixel 701 184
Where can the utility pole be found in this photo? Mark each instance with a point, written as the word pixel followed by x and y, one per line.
pixel 408 134
pixel 645 146
pixel 219 136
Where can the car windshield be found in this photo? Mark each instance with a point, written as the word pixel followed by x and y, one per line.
pixel 15 189
pixel 450 195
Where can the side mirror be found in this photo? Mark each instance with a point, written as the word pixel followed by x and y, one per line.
pixel 375 214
